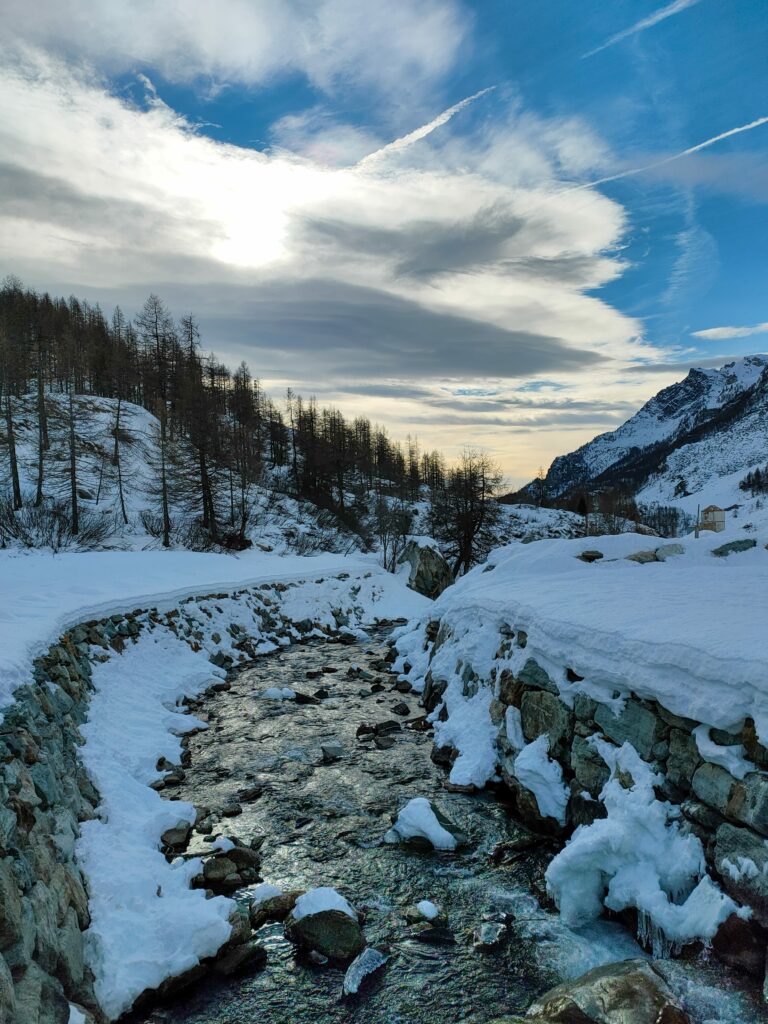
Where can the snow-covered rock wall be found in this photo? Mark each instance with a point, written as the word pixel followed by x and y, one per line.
pixel 620 691
pixel 89 903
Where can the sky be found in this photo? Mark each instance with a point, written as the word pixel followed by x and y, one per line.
pixel 493 224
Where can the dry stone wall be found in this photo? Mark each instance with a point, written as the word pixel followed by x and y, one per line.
pixel 45 793
pixel 728 814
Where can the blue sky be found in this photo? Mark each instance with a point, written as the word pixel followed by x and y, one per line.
pixel 466 284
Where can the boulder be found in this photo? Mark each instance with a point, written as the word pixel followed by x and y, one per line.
pixel 630 992
pixel 249 956
pixel 430 573
pixel 332 933
pixel 734 546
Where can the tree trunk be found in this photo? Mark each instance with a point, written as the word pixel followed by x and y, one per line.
pixel 164 482
pixel 116 462
pixel 73 464
pixel 40 460
pixel 12 454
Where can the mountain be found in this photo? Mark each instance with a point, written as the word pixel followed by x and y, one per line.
pixel 698 437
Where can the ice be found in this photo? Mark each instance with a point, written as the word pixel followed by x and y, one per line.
pixel 418 820
pixel 638 857
pixel 366 963
pixel 315 901
pixel 428 910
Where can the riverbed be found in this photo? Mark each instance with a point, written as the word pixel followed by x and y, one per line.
pixel 320 818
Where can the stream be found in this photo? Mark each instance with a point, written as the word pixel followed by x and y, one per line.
pixel 322 819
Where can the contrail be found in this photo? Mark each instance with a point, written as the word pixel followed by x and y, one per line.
pixel 640 26
pixel 668 159
pixel 419 133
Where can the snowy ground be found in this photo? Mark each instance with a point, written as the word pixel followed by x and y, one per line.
pixel 147 924
pixel 42 594
pixel 688 631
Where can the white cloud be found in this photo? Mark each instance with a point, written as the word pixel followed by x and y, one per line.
pixel 724 333
pixel 448 261
pixel 676 7
pixel 397 47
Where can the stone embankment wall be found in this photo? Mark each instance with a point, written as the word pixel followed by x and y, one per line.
pixel 45 793
pixel 729 815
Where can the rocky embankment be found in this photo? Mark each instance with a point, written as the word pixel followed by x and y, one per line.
pixel 724 804
pixel 45 793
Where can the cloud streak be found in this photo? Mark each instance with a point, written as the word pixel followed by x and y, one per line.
pixel 373 159
pixel 758 123
pixel 641 26
pixel 724 333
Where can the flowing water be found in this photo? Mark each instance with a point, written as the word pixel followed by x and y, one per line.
pixel 322 824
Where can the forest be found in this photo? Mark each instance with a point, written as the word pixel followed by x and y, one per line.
pixel 220 435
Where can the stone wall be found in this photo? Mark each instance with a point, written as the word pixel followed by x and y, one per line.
pixel 45 793
pixel 729 815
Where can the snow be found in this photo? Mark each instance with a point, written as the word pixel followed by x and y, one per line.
pixel 428 910
pixel 146 923
pixel 277 693
pixel 42 595
pixel 688 632
pixel 535 770
pixel 222 844
pixel 262 892
pixel 315 901
pixel 418 820
pixel 513 725
pixel 75 1016
pixel 732 758
pixel 638 857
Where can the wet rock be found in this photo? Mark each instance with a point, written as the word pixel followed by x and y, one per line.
pixel 440 936
pixel 330 932
pixel 402 686
pixel 177 836
pixel 322 693
pixel 490 935
pixel 365 731
pixel 741 945
pixel 590 769
pixel 362 967
pixel 385 728
pixel 377 688
pixel 276 908
pixel 401 709
pixel 304 698
pixel 249 956
pixel 384 742
pixel 332 752
pixel 630 992
pixel 250 793
pixel 231 809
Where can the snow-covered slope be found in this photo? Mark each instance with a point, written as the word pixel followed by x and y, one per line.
pixel 710 424
pixel 280 523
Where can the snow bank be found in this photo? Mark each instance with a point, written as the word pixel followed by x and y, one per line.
pixel 42 595
pixel 146 923
pixel 315 901
pixel 688 632
pixel 417 820
pixel 428 910
pixel 638 857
